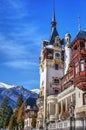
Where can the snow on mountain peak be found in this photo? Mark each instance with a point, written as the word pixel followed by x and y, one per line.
pixel 3 85
pixel 35 91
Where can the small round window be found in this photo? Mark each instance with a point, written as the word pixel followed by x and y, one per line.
pixel 57 55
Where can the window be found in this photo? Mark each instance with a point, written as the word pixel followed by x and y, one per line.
pixel 76 67
pixel 82 45
pixel 84 98
pixel 56 81
pixel 57 55
pixel 56 91
pixel 56 67
pixel 50 54
pixel 81 65
pixel 52 108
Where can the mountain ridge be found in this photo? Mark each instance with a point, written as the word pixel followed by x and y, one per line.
pixel 12 92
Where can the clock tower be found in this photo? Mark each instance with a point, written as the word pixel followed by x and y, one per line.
pixel 51 64
pixel 51 70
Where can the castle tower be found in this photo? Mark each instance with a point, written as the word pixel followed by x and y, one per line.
pixel 67 54
pixel 51 64
pixel 51 69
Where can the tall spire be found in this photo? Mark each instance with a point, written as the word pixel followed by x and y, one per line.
pixel 53 19
pixel 54 32
pixel 79 26
pixel 53 16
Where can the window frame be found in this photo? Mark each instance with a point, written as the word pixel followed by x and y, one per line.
pixel 76 68
pixel 82 66
pixel 56 67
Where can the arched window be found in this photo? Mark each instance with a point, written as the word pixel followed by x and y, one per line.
pixel 81 65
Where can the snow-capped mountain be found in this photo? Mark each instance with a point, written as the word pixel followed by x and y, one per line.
pixel 13 91
pixel 36 90
pixel 3 85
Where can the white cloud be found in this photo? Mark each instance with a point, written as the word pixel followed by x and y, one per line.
pixel 21 64
pixel 12 50
pixel 20 45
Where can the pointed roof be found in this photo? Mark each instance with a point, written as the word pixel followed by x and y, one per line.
pixel 81 34
pixel 53 17
pixel 54 32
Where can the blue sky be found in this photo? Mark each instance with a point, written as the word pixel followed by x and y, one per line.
pixel 23 25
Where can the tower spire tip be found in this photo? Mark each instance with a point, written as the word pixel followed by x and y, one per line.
pixel 79 25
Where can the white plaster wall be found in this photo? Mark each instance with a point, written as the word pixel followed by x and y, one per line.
pixel 67 58
pixel 42 77
pixel 79 98
pixel 51 72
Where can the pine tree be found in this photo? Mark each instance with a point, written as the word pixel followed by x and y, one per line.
pixel 13 122
pixel 5 113
pixel 19 101
pixel 21 113
pixel 17 117
pixel 1 118
pixel 20 117
pixel 9 112
pixel 33 123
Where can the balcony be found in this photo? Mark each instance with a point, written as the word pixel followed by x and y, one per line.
pixel 80 81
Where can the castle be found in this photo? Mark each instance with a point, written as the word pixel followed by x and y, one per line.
pixel 62 77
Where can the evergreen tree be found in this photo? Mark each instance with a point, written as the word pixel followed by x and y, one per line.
pixel 17 117
pixel 20 117
pixel 9 112
pixel 4 103
pixel 33 123
pixel 13 122
pixel 19 101
pixel 1 118
pixel 5 113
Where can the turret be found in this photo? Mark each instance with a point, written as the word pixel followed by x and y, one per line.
pixel 54 32
pixel 67 38
pixel 67 54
